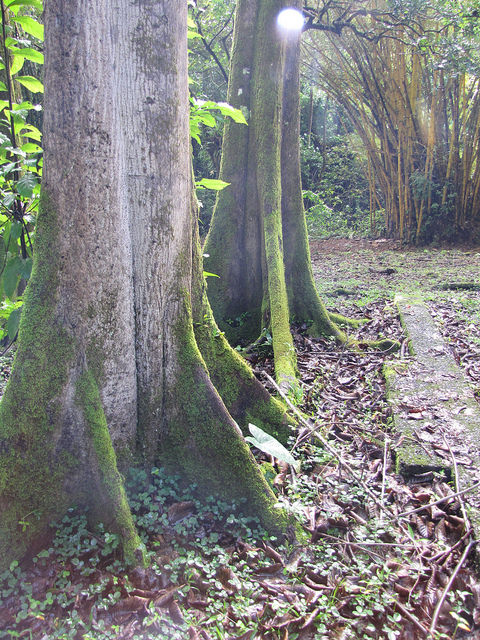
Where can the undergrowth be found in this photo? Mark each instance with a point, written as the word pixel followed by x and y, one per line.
pixel 214 573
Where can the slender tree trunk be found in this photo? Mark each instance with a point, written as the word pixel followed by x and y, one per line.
pixel 108 371
pixel 310 119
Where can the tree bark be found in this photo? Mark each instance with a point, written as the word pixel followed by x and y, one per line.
pixel 108 371
pixel 258 242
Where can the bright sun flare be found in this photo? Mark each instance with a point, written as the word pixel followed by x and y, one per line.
pixel 290 19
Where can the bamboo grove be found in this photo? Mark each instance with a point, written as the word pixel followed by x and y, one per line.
pixel 413 98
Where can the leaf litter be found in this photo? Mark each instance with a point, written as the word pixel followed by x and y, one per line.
pixel 382 567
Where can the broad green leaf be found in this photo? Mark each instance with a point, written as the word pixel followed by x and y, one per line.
pixel 209 183
pixel 6 168
pixel 11 276
pixel 19 116
pixel 17 64
pixel 32 162
pixel 29 106
pixel 37 4
pixel 224 108
pixel 207 274
pixel 33 84
pixel 6 234
pixel 29 54
pixel 16 230
pixel 13 322
pixel 29 131
pixel 31 26
pixel 235 114
pixel 26 268
pixel 11 42
pixel 31 147
pixel 26 184
pixel 8 200
pixel 205 118
pixel 3 86
pixel 271 446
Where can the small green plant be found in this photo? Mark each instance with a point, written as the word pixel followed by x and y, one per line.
pixel 20 153
pixel 271 446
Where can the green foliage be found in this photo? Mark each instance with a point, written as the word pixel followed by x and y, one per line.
pixel 208 183
pixel 206 124
pixel 210 48
pixel 271 446
pixel 10 318
pixel 336 189
pixel 201 114
pixel 20 156
pixel 325 222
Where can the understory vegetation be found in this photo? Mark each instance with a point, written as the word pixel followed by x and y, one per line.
pixel 364 570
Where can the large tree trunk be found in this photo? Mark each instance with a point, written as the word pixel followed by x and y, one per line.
pixel 258 242
pixel 108 371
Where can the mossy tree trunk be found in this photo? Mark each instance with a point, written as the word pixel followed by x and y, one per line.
pixel 258 242
pixel 108 371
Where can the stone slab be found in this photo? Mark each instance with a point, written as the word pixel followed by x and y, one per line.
pixel 435 411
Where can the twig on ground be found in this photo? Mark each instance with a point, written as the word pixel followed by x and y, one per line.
pixel 384 475
pixel 405 612
pixel 468 524
pixel 443 555
pixel 445 499
pixel 448 586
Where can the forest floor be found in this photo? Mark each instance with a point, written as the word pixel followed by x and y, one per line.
pixel 365 569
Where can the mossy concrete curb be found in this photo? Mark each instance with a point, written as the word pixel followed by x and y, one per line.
pixel 435 412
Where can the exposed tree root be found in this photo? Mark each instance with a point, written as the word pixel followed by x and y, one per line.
pixel 337 318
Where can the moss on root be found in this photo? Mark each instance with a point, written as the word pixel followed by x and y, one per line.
pixel 205 444
pixel 337 318
pixel 31 468
pixel 112 508
pixel 245 398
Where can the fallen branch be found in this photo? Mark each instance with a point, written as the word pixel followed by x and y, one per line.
pixel 459 286
pixel 384 474
pixel 457 485
pixel 443 555
pixel 445 499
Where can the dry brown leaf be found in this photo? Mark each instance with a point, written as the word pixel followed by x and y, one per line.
pixel 227 578
pixel 164 598
pixel 180 510
pixel 270 569
pixel 271 553
pixel 175 613
pixel 129 605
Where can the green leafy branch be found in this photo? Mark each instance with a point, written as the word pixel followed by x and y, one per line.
pixel 20 153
